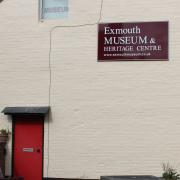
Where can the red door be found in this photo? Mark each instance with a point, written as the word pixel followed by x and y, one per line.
pixel 28 147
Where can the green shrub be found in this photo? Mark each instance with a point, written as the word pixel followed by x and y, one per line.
pixel 169 172
pixel 4 132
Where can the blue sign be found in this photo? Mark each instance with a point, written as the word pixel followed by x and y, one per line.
pixel 54 9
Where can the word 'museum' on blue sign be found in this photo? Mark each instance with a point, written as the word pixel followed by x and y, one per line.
pixel 55 9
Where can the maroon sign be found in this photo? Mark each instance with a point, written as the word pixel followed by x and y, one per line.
pixel 133 41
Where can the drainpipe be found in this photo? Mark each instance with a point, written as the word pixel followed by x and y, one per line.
pixel 2 157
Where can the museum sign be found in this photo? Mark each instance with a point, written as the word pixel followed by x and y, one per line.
pixel 133 41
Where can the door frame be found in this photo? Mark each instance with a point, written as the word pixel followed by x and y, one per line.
pixel 13 136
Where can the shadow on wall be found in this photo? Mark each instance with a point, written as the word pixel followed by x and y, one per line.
pixel 8 159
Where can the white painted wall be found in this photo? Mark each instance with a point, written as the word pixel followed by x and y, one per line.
pixel 112 118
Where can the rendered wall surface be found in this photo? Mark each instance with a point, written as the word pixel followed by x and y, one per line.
pixel 113 118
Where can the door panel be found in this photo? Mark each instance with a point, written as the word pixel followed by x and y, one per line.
pixel 28 147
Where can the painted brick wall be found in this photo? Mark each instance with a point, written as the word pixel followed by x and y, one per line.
pixel 113 118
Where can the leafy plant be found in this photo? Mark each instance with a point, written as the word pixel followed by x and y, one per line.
pixel 4 132
pixel 169 172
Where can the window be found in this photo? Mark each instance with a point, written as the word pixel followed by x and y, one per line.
pixel 53 9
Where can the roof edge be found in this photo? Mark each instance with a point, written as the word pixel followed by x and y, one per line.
pixel 26 110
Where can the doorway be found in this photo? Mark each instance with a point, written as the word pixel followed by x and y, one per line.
pixel 28 141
